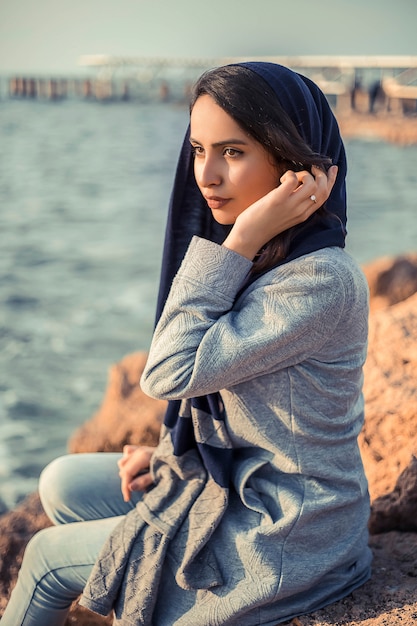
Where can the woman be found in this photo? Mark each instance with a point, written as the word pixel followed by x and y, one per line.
pixel 254 506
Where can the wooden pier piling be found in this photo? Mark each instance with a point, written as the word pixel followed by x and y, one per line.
pixel 393 89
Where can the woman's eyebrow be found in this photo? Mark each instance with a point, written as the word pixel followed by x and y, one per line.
pixel 225 142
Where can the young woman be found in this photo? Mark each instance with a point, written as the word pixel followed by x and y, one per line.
pixel 254 506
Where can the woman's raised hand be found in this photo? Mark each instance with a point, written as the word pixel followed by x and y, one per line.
pixel 292 202
pixel 134 469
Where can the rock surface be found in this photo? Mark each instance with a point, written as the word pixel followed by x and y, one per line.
pixel 126 415
pixel 388 444
pixel 396 129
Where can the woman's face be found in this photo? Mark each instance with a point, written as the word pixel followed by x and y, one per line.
pixel 232 170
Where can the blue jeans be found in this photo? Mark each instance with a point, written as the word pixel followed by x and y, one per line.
pixel 81 495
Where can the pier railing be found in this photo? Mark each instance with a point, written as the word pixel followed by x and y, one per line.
pixel 371 84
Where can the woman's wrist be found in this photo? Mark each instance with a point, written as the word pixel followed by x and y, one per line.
pixel 242 243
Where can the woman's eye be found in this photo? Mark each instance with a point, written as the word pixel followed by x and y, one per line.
pixel 232 152
pixel 197 150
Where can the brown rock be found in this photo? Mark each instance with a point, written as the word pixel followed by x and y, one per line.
pixel 126 415
pixel 391 280
pixel 397 510
pixel 397 129
pixel 389 437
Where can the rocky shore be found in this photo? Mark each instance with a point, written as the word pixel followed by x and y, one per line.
pixel 397 129
pixel 388 443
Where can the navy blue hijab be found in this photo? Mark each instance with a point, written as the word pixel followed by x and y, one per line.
pixel 189 215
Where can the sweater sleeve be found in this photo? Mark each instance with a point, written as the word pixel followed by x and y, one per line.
pixel 204 342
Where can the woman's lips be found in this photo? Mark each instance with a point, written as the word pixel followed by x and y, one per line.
pixel 215 202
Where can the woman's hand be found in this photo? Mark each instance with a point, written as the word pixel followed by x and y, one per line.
pixel 285 206
pixel 134 469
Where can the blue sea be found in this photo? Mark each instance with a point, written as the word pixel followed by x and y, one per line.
pixel 84 189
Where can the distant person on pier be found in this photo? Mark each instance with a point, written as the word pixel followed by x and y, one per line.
pixel 355 91
pixel 376 93
pixel 254 506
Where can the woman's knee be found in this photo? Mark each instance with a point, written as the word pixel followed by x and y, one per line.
pixel 58 487
pixel 49 570
pixel 43 556
pixel 36 561
pixel 80 487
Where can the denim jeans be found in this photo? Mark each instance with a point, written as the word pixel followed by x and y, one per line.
pixel 81 495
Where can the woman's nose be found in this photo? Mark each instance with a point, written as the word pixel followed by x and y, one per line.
pixel 207 172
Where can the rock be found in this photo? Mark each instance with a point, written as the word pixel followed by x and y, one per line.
pixel 397 510
pixel 389 437
pixel 391 280
pixel 392 128
pixel 126 415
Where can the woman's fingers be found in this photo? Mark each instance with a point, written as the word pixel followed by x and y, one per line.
pixel 290 179
pixel 141 482
pixel 127 451
pixel 324 182
pixel 312 192
pixel 129 448
pixel 291 203
pixel 124 486
pixel 303 185
pixel 134 469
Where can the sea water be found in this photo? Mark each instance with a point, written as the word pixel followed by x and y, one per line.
pixel 84 190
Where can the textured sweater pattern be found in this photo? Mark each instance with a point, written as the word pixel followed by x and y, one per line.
pixel 289 534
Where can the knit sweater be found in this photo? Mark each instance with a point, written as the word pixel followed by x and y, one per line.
pixel 288 535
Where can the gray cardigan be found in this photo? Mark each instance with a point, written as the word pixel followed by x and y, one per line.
pixel 290 534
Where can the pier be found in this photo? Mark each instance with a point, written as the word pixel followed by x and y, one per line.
pixel 367 84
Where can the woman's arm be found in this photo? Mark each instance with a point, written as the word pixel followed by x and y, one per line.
pixel 202 344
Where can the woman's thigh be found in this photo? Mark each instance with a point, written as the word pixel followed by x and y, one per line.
pixel 55 568
pixel 81 487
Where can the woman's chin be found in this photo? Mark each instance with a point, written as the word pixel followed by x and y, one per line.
pixel 222 218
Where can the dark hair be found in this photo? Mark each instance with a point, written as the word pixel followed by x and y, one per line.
pixel 253 104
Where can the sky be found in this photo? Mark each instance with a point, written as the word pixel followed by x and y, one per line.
pixel 49 36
